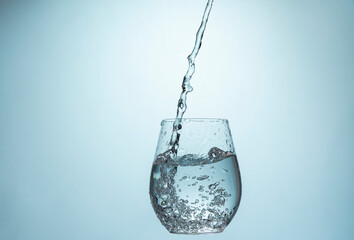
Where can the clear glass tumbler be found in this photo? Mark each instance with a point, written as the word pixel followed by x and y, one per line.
pixel 199 190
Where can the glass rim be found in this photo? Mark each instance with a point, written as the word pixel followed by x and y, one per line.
pixel 171 120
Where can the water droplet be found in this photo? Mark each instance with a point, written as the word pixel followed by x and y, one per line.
pixel 183 178
pixel 213 186
pixel 202 177
pixel 219 200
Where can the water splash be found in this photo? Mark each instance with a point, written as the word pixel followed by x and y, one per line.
pixel 186 87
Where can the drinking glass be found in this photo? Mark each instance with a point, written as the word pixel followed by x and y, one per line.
pixel 199 189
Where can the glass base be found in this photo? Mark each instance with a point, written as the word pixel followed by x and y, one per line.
pixel 201 231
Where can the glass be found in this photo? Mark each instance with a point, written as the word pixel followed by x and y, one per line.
pixel 199 190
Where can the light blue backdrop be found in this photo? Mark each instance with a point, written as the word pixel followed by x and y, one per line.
pixel 85 84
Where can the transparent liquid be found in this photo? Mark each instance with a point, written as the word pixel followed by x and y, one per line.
pixel 186 86
pixel 194 194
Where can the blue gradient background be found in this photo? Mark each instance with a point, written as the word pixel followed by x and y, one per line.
pixel 85 84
